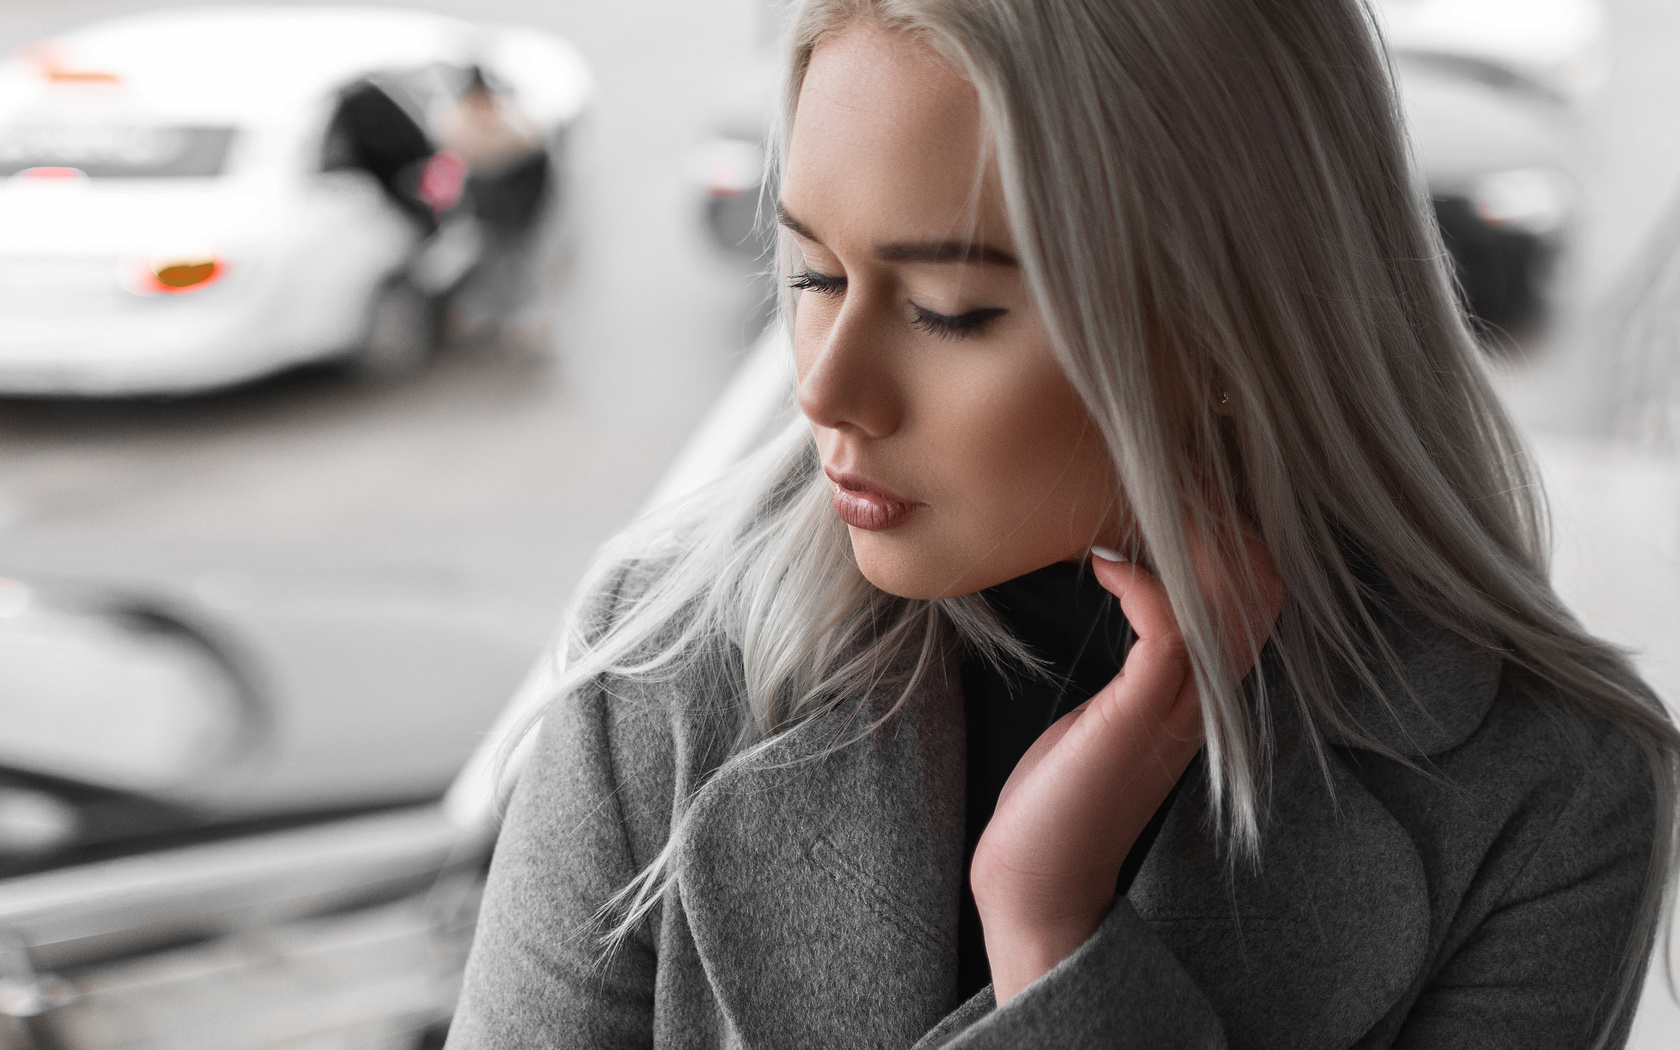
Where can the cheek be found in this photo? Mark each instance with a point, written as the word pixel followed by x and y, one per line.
pixel 1030 480
pixel 812 316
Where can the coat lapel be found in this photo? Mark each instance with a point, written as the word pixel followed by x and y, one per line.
pixel 1315 944
pixel 822 891
pixel 1311 947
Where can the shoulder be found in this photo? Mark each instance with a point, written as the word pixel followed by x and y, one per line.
pixel 647 705
pixel 1468 732
pixel 1542 791
pixel 1537 751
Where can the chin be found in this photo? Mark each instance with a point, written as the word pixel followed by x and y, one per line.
pixel 926 568
pixel 902 570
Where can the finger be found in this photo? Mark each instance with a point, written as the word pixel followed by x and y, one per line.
pixel 1142 599
pixel 1158 665
pixel 1241 588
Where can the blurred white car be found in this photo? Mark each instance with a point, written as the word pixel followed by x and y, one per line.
pixel 192 198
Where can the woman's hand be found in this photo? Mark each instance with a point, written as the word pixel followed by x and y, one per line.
pixel 1044 871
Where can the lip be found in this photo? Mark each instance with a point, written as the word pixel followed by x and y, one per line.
pixel 863 504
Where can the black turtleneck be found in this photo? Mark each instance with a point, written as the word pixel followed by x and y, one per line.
pixel 1065 616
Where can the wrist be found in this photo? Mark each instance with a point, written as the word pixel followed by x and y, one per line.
pixel 1028 905
pixel 1020 951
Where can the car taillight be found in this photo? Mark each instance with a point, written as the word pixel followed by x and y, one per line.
pixel 171 275
pixel 56 68
pixel 1533 200
pixel 49 172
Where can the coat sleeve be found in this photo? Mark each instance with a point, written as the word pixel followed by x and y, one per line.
pixel 1123 988
pixel 1542 970
pixel 536 976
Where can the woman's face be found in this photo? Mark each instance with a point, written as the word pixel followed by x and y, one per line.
pixel 960 454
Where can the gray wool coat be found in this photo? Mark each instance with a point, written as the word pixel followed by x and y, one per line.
pixel 1481 899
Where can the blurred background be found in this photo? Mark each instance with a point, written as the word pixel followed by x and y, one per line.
pixel 333 340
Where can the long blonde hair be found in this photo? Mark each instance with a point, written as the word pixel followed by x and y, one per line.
pixel 1211 201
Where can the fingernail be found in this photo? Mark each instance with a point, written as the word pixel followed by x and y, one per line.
pixel 1107 553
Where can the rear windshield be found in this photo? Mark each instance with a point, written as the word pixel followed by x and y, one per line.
pixel 115 151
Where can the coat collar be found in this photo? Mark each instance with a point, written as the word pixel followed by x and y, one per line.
pixel 822 892
pixel 1444 690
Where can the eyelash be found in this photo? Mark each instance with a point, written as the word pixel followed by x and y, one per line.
pixel 821 283
pixel 972 323
pixel 942 325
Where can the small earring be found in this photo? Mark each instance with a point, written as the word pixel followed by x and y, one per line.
pixel 1224 397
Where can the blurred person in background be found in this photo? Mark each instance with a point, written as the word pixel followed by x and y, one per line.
pixel 506 165
pixel 504 183
pixel 1092 301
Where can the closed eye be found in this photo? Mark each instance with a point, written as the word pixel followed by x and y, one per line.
pixel 948 327
pixel 809 280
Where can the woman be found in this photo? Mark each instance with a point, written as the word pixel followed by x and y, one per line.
pixel 1092 296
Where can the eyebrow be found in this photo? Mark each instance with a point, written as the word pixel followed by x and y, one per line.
pixel 914 251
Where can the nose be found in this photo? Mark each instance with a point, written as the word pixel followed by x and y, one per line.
pixel 846 380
